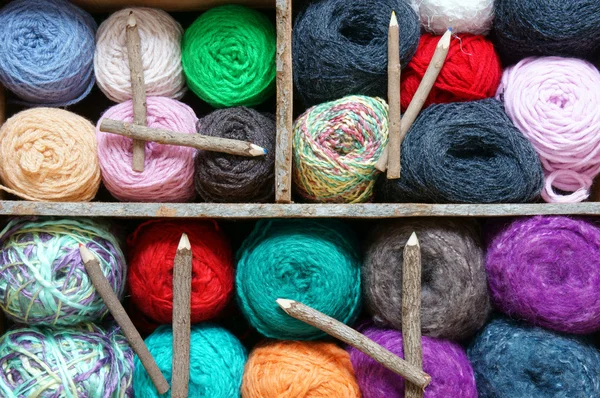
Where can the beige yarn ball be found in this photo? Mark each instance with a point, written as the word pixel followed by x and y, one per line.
pixel 160 37
pixel 49 154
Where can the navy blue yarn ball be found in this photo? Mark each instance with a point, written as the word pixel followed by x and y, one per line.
pixel 340 47
pixel 515 360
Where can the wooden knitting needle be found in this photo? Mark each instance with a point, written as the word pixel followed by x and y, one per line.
pixel 182 293
pixel 418 100
pixel 198 141
pixel 411 311
pixel 394 73
pixel 92 267
pixel 138 88
pixel 337 329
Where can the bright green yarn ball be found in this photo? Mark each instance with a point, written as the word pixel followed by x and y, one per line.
pixel 314 262
pixel 217 361
pixel 228 56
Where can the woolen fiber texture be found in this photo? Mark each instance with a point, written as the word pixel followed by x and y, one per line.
pixel 471 16
pixel 546 270
pixel 467 152
pixel 455 301
pixel 217 361
pixel 569 28
pixel 514 360
pixel 299 369
pixel 340 47
pixel 152 249
pixel 310 261
pixel 220 177
pixel 446 362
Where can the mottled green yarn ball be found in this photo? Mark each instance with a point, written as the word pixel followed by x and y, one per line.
pixel 228 56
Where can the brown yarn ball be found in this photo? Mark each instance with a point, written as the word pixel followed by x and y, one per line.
pixel 299 369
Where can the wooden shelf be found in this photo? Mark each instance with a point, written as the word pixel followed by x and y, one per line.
pixel 253 211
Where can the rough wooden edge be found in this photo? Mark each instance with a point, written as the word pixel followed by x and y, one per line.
pixel 394 111
pixel 182 292
pixel 2 119
pixel 283 154
pixel 167 5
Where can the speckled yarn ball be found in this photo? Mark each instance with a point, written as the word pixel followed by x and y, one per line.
pixel 546 270
pixel 446 362
pixel 313 262
pixel 217 360
pixel 455 301
pixel 513 360
pixel 470 16
pixel 83 361
pixel 42 278
pixel 568 28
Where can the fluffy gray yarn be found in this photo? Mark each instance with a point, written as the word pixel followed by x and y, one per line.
pixel 455 301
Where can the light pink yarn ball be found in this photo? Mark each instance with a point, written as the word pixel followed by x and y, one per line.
pixel 555 102
pixel 168 174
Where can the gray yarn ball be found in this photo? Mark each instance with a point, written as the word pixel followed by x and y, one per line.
pixel 455 301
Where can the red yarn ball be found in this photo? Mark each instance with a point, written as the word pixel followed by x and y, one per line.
pixel 472 70
pixel 152 249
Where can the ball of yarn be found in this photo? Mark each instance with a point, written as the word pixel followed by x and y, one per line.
pixel 467 152
pixel 516 360
pixel 47 52
pixel 546 270
pixel 314 262
pixel 299 369
pixel 474 16
pixel 42 278
pixel 455 301
pixel 160 37
pixel 526 28
pixel 49 154
pixel 221 177
pixel 168 174
pixel 340 47
pixel 472 71
pixel 446 362
pixel 82 361
pixel 335 148
pixel 229 56
pixel 554 102
pixel 152 249
pixel 217 361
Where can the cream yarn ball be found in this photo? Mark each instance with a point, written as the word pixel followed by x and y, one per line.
pixel 463 16
pixel 160 37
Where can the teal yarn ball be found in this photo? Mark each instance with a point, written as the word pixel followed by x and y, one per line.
pixel 217 360
pixel 75 362
pixel 228 56
pixel 310 261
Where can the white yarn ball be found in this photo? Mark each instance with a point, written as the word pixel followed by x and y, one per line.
pixel 160 37
pixel 463 16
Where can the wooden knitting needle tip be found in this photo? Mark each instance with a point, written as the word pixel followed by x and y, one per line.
pixel 337 329
pixel 92 267
pixel 394 116
pixel 182 292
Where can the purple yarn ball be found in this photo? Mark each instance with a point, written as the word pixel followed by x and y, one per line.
pixel 446 362
pixel 546 270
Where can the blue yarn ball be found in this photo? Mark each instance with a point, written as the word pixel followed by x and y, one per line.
pixel 47 52
pixel 514 360
pixel 217 360
pixel 314 262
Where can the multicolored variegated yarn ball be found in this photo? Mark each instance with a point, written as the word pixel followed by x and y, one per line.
pixel 336 145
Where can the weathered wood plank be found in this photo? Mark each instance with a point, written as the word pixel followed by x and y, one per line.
pixel 167 5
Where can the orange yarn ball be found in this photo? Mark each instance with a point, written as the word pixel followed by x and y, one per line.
pixel 299 369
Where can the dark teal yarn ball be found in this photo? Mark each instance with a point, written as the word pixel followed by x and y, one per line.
pixel 314 262
pixel 514 360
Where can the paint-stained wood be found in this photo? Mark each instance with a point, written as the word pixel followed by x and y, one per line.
pixel 168 5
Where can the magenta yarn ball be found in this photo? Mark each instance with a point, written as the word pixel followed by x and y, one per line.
pixel 546 270
pixel 446 362
pixel 168 174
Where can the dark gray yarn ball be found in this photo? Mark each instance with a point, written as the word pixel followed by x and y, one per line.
pixel 569 28
pixel 455 301
pixel 221 177
pixel 467 152
pixel 340 47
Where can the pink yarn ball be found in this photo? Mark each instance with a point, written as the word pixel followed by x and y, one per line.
pixel 554 101
pixel 168 174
